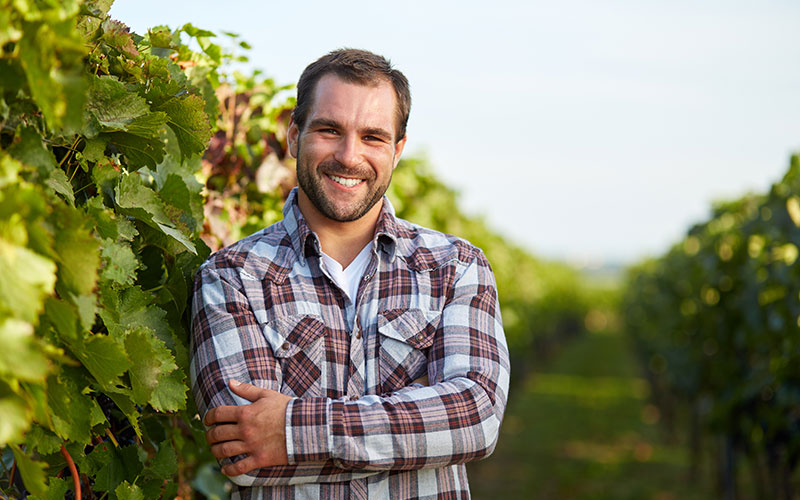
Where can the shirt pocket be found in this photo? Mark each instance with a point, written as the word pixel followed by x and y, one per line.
pixel 298 343
pixel 405 336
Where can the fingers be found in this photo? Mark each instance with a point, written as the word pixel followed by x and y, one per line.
pixel 241 467
pixel 221 415
pixel 228 449
pixel 247 391
pixel 221 433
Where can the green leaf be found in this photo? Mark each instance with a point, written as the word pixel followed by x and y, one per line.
pixel 56 490
pixel 26 278
pixel 87 309
pixel 151 361
pixel 59 182
pixel 9 170
pixel 51 54
pixel 140 151
pixel 16 416
pixel 29 148
pixel 63 317
pixel 165 464
pixel 42 440
pixel 104 358
pixel 126 491
pixel 21 356
pixel 95 149
pixel 114 105
pixel 77 250
pixel 170 394
pixel 71 410
pixel 109 225
pixel 32 472
pixel 120 263
pixel 137 200
pixel 123 398
pixel 189 121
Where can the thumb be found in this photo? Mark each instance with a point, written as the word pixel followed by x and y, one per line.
pixel 247 391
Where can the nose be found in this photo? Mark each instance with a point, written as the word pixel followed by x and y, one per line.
pixel 348 151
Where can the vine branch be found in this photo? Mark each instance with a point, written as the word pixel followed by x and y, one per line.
pixel 76 480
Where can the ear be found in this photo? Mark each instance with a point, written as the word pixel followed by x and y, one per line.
pixel 292 136
pixel 398 150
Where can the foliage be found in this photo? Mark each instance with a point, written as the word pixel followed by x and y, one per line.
pixel 100 216
pixel 715 322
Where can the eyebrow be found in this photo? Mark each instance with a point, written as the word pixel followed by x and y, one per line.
pixel 328 123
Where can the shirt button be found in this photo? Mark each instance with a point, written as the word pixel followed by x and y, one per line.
pixel 285 346
pixel 358 334
pixel 420 337
pixel 353 398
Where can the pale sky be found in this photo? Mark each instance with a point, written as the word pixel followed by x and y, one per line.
pixel 581 129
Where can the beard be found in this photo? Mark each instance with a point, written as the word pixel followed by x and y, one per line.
pixel 312 186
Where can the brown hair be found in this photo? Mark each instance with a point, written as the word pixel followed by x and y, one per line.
pixel 353 66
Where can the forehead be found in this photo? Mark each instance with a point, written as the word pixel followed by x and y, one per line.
pixel 354 104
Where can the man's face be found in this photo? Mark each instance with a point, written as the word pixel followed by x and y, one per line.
pixel 346 152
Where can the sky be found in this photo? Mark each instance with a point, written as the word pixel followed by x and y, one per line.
pixel 583 130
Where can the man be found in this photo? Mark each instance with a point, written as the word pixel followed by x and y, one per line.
pixel 342 352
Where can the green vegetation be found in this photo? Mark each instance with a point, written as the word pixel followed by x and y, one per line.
pixel 715 326
pixel 581 427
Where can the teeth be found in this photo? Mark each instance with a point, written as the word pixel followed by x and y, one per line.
pixel 344 181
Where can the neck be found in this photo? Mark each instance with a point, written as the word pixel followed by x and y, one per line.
pixel 342 241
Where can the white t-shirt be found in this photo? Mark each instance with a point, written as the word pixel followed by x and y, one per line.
pixel 349 278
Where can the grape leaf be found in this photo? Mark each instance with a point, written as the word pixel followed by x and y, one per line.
pixel 71 411
pixel 104 357
pixel 51 55
pixel 29 148
pixel 139 201
pixel 113 104
pixel 120 263
pixel 126 491
pixel 16 416
pixel 76 249
pixel 21 355
pixel 32 471
pixel 151 361
pixel 165 464
pixel 60 184
pixel 42 440
pixel 95 149
pixel 187 118
pixel 56 490
pixel 123 398
pixel 170 394
pixel 26 278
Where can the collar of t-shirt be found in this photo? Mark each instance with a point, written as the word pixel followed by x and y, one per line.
pixel 349 277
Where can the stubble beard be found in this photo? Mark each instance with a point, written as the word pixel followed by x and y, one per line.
pixel 312 187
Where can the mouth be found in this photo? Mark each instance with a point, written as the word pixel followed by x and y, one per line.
pixel 345 181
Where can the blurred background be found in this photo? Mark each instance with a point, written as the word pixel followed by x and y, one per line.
pixel 616 162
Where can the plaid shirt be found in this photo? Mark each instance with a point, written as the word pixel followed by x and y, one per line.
pixel 265 312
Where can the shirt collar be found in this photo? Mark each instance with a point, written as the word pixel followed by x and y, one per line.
pixel 305 242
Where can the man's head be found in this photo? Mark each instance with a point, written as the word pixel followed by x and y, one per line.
pixel 353 66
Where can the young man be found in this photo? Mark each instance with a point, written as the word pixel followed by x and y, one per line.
pixel 342 352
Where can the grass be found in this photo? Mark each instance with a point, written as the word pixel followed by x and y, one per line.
pixel 581 428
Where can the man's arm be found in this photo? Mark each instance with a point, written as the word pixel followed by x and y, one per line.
pixel 455 420
pixel 228 344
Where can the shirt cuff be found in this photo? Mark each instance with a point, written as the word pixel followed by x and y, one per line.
pixel 309 436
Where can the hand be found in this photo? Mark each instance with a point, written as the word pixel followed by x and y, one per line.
pixel 256 430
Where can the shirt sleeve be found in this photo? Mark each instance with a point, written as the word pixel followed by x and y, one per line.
pixel 454 420
pixel 227 343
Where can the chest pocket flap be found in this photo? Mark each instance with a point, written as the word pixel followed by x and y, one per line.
pixel 415 327
pixel 289 335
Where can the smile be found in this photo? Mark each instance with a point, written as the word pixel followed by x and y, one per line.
pixel 344 181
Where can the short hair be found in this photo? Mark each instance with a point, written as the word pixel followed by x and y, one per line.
pixel 354 66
